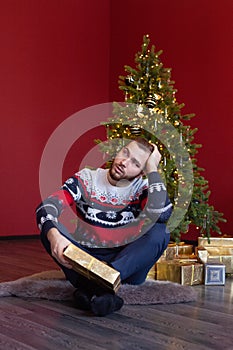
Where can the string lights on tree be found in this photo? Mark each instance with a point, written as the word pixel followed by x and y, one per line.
pixel 150 107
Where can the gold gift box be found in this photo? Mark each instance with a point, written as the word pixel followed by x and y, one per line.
pixel 92 268
pixel 216 256
pixel 227 260
pixel 221 250
pixel 174 250
pixel 186 258
pixel 183 272
pixel 215 241
pixel 152 273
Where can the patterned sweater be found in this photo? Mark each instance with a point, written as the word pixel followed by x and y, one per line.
pixel 108 215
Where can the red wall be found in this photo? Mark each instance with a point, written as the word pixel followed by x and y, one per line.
pixel 196 39
pixel 54 61
pixel 60 56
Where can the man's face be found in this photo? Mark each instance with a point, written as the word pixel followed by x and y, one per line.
pixel 129 162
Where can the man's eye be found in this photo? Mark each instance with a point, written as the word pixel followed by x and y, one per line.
pixel 136 164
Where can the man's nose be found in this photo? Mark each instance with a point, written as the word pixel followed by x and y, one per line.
pixel 124 161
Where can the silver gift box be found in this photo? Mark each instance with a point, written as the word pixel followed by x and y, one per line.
pixel 215 274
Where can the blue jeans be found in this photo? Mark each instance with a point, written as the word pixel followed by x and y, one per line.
pixel 133 260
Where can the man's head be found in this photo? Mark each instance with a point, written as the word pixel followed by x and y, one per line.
pixel 130 161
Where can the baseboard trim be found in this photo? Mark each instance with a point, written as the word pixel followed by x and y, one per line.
pixel 4 238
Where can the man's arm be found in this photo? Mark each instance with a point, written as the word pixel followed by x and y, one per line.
pixel 47 215
pixel 58 243
pixel 158 207
pixel 153 161
pixel 48 212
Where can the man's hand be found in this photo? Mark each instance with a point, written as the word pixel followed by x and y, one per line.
pixel 58 243
pixel 153 160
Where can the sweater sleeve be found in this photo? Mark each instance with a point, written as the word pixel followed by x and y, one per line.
pixel 48 212
pixel 158 206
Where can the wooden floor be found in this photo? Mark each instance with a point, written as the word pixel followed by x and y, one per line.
pixel 34 324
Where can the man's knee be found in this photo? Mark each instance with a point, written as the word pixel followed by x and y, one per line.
pixel 158 235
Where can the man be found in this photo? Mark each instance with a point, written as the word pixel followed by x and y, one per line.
pixel 112 206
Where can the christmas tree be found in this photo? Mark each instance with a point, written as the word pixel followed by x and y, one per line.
pixel 152 111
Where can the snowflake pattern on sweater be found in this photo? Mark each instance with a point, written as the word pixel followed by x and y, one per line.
pixel 107 215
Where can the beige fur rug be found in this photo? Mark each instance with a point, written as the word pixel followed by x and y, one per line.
pixel 52 285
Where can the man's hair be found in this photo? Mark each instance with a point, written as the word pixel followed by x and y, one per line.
pixel 144 144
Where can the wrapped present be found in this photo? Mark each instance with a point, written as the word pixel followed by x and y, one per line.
pixel 221 250
pixel 215 241
pixel 151 274
pixel 227 260
pixel 205 256
pixel 202 254
pixel 185 273
pixel 174 250
pixel 215 274
pixel 92 268
pixel 185 258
